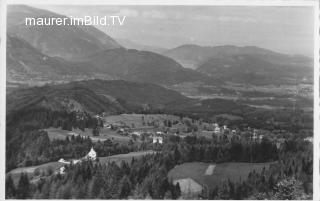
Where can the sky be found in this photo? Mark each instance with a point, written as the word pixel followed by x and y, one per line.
pixel 283 29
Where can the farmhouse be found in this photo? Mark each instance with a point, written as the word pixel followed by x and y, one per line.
pixel 308 139
pixel 217 130
pixel 159 133
pixel 63 161
pixel 138 133
pixel 157 140
pixel 62 170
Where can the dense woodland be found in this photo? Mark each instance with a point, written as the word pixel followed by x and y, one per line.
pixel 147 177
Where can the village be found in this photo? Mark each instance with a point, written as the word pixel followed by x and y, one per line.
pixel 156 128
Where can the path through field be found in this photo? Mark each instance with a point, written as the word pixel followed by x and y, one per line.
pixel 210 170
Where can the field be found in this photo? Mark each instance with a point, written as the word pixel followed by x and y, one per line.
pixel 200 172
pixel 105 133
pixel 43 168
pixel 138 119
pixel 124 157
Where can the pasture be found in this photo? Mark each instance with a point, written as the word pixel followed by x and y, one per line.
pixel 105 133
pixel 124 157
pixel 212 174
pixel 31 170
pixel 138 120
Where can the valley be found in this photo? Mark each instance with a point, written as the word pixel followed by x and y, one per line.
pixel 90 116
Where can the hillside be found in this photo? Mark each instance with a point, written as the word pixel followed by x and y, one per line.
pixel 134 45
pixel 68 42
pixel 25 62
pixel 93 96
pixel 142 66
pixel 196 55
pixel 253 69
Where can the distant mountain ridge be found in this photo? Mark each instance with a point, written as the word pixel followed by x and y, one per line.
pixel 69 53
pixel 68 42
pixel 134 45
pixel 197 55
pixel 24 62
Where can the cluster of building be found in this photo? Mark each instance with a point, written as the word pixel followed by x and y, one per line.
pixel 148 131
pixel 92 155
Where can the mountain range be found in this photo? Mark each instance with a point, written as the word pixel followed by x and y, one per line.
pixel 69 53
pixel 247 64
pixel 81 52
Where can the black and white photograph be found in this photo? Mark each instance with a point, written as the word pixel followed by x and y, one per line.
pixel 163 100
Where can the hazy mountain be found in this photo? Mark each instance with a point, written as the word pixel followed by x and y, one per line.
pixel 252 69
pixel 192 56
pixel 93 96
pixel 51 48
pixel 68 42
pixel 133 45
pixel 25 62
pixel 142 66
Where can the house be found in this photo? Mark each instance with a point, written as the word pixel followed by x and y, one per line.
pixel 97 116
pixel 279 142
pixel 255 134
pixel 260 138
pixel 76 161
pixel 63 161
pixel 217 130
pixel 107 125
pixel 138 133
pixel 159 133
pixel 215 125
pixel 308 139
pixel 62 170
pixel 157 140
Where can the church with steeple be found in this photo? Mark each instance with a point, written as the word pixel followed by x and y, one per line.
pixel 92 155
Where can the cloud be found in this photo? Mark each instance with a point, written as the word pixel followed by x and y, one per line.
pixel 236 19
pixel 203 17
pixel 154 14
pixel 128 12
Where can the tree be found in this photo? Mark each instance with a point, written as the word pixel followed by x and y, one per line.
pixel 23 187
pixel 177 191
pixel 95 131
pixel 124 187
pixel 10 188
pixel 289 189
pixel 134 137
